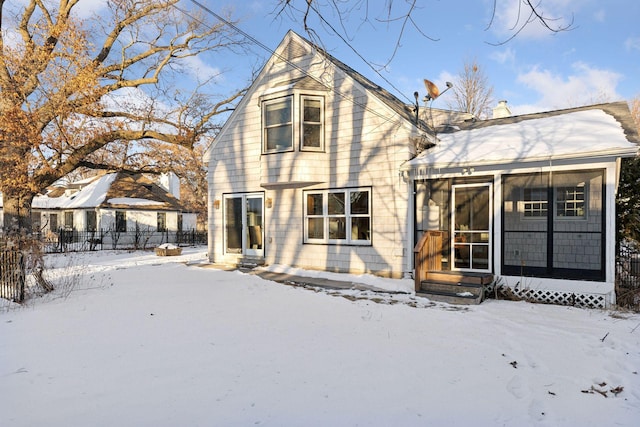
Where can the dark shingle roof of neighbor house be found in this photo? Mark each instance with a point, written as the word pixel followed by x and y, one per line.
pixel 137 186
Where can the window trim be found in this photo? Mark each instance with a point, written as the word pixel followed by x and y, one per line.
pixel 162 215
pixel 302 123
pixel 117 223
pixel 291 123
pixel 585 205
pixel 348 216
pixel 91 225
pixel 542 203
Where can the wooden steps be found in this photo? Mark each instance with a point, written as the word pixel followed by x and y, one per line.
pixel 455 287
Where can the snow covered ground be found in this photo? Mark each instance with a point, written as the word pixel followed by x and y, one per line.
pixel 131 339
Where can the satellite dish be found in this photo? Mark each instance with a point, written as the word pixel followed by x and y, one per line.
pixel 432 89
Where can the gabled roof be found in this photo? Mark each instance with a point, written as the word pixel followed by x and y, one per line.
pixel 401 108
pixel 586 132
pixel 117 190
pixel 294 46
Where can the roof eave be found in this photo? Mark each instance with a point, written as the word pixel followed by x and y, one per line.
pixel 593 156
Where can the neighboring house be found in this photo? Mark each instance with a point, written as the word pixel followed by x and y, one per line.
pixel 320 168
pixel 117 202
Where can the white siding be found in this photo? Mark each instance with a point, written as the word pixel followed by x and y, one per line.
pixel 365 143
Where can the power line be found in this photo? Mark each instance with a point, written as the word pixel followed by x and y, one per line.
pixel 273 53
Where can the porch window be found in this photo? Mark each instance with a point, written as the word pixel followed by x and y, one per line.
pixel 338 216
pixel 312 124
pixel 567 241
pixel 277 119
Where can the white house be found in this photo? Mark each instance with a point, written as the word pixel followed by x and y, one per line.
pixel 117 202
pixel 320 168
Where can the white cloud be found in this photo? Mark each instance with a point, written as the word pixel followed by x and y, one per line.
pixel 503 57
pixel 632 43
pixel 586 85
pixel 200 70
pixel 600 15
pixel 513 16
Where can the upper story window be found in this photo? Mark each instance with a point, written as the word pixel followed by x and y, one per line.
pixel 312 133
pixel 293 118
pixel 278 125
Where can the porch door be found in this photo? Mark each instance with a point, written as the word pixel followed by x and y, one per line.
pixel 472 230
pixel 244 224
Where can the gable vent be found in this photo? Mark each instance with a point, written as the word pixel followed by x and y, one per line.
pixel 293 50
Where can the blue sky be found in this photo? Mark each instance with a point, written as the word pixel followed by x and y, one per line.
pixel 598 60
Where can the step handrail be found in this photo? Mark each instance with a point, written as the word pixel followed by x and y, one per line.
pixel 427 255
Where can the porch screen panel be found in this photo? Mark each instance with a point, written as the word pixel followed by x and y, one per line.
pixel 578 220
pixel 525 213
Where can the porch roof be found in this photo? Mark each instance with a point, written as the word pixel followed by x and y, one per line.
pixel 570 134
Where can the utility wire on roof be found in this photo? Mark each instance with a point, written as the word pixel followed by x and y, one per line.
pixel 273 53
pixel 312 7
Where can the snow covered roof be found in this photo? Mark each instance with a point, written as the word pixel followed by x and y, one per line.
pixel 119 190
pixel 89 196
pixel 585 132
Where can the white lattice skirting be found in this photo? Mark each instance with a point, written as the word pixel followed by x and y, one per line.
pixel 553 297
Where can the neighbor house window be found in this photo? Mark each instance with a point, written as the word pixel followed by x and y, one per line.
pixel 162 221
pixel 53 222
pixel 570 201
pixel 92 222
pixel 68 220
pixel 121 221
pixel 338 216
pixel 534 204
pixel 277 119
pixel 35 221
pixel 312 123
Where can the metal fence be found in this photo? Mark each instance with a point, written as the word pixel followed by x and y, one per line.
pixel 140 238
pixel 628 278
pixel 12 275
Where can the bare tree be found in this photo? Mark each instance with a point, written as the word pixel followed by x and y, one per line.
pixel 472 92
pixel 334 14
pixel 97 91
pixel 628 200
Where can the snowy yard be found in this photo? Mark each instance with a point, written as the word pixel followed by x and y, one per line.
pixel 151 341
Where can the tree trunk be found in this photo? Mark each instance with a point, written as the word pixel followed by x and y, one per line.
pixel 17 215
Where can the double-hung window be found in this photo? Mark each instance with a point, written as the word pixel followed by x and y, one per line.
pixel 312 132
pixel 278 125
pixel 338 216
